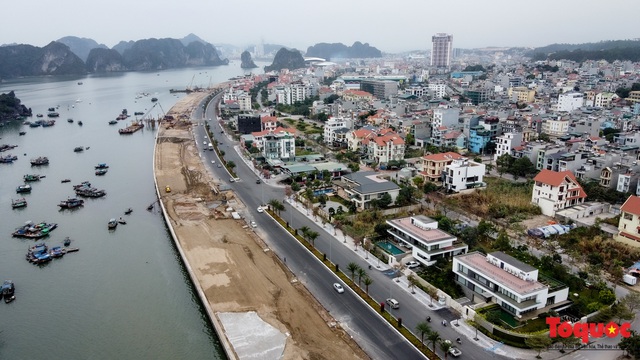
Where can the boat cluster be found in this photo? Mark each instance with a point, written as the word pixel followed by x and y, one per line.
pixel 34 231
pixel 41 253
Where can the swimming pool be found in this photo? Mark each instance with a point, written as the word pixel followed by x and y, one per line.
pixel 390 248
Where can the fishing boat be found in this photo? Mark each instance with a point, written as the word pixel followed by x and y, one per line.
pixel 78 149
pixel 18 203
pixel 138 113
pixel 112 224
pixel 101 166
pixel 6 147
pixel 57 252
pixel 8 159
pixel 21 133
pixel 51 109
pixel 39 115
pixel 65 180
pixel 67 241
pixel 86 190
pixel 53 114
pixel 69 120
pixel 38 254
pixel 113 122
pixel 42 160
pixel 8 291
pixel 34 231
pixel 101 171
pixel 154 99
pixel 128 211
pixel 26 188
pixel 122 221
pixel 30 178
pixel 80 122
pixel 71 203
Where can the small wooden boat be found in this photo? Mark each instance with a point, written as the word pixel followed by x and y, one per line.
pixel 101 172
pixel 65 180
pixel 69 120
pixel 101 166
pixel 66 241
pixel 8 290
pixel 128 211
pixel 21 133
pixel 122 221
pixel 80 122
pixel 78 149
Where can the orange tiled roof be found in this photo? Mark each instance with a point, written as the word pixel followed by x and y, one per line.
pixel 448 156
pixel 632 205
pixel 266 119
pixel 555 178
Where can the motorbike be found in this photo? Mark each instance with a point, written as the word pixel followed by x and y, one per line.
pixel 444 322
pixel 428 318
pixel 459 341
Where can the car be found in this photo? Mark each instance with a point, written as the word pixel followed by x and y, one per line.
pixel 232 180
pixel 253 224
pixel 393 303
pixel 338 288
pixel 412 264
pixel 219 165
pixel 258 181
pixel 260 209
pixel 454 351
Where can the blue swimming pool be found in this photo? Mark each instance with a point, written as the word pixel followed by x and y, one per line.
pixel 390 248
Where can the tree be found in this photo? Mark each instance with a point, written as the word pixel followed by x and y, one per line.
pixel 384 201
pixel 276 205
pixel 405 196
pixel 504 163
pixel 568 342
pixel 544 137
pixel 312 236
pixel 367 282
pixel 631 301
pixel 523 167
pixel 433 337
pixel 354 167
pixel 352 268
pixel 445 346
pixel 538 343
pixel 413 282
pixel 606 296
pixel 304 231
pixel 361 274
pixel 631 345
pixel 432 292
pixel 418 181
pixel 423 328
pixel 502 243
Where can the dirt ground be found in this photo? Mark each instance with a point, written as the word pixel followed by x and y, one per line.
pixel 234 267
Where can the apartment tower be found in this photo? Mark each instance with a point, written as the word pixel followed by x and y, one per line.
pixel 442 50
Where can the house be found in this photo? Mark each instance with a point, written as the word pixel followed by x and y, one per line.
pixel 276 144
pixel 508 282
pixel 428 243
pixel 553 191
pixel 463 174
pixel 335 130
pixel 629 225
pixel 385 147
pixel 434 164
pixel 365 186
pixel 269 123
pixel 505 144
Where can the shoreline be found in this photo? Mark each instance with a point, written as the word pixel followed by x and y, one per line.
pixel 233 270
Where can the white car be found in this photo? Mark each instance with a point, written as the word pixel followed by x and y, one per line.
pixel 412 264
pixel 338 288
pixel 253 224
pixel 260 209
pixel 232 180
pixel 455 352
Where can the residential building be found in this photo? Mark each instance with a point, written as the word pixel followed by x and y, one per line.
pixel 381 89
pixel 428 243
pixel 479 137
pixel 629 224
pixel 357 96
pixel 502 279
pixel 335 130
pixel 553 191
pixel 445 117
pixel 385 148
pixel 356 138
pixel 433 165
pixel 279 145
pixel 439 89
pixel 478 96
pixel 570 101
pixel 249 123
pixel 521 94
pixel 556 126
pixel 506 142
pixel 365 186
pixel 463 174
pixel 634 96
pixel 269 123
pixel 441 50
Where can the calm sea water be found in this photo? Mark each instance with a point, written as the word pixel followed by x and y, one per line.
pixel 125 294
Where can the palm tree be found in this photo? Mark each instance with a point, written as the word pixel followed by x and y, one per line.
pixel 423 328
pixel 304 231
pixel 367 281
pixel 361 274
pixel 445 346
pixel 312 236
pixel 433 337
pixel 352 268
pixel 275 205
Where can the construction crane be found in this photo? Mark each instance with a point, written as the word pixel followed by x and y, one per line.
pixel 189 89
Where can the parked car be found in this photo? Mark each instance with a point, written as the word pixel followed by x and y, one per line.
pixel 338 288
pixel 455 352
pixel 412 264
pixel 253 224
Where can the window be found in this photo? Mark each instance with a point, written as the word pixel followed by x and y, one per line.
pixel 628 216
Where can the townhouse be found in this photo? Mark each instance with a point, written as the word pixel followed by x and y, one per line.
pixel 629 224
pixel 433 165
pixel 553 191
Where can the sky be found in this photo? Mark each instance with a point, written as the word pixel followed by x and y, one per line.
pixel 391 26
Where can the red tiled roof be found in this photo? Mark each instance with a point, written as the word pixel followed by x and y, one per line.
pixel 632 205
pixel 266 119
pixel 555 178
pixel 452 135
pixel 448 156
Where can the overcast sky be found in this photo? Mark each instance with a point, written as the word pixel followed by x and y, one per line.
pixel 391 26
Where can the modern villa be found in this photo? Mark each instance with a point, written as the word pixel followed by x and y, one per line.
pixel 507 281
pixel 428 243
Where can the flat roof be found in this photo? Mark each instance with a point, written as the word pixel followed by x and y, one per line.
pixel 369 182
pixel 478 262
pixel 512 261
pixel 427 236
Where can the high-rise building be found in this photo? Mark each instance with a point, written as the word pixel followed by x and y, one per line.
pixel 442 50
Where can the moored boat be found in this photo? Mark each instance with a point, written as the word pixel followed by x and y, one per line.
pixel 39 115
pixel 102 166
pixel 34 231
pixel 53 114
pixel 57 252
pixel 42 160
pixel 8 159
pixel 22 133
pixel 113 122
pixel 67 241
pixel 8 291
pixel 26 188
pixel 31 177
pixel 112 224
pixel 71 203
pixel 154 99
pixel 18 203
pixel 122 221
pixel 101 172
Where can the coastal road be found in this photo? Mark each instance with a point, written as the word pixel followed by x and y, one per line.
pixel 372 333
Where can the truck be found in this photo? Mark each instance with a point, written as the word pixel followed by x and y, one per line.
pixel 629 279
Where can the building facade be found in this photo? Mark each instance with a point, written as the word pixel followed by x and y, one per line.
pixel 553 191
pixel 463 174
pixel 629 224
pixel 441 50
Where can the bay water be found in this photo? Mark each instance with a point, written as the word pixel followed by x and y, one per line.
pixel 125 293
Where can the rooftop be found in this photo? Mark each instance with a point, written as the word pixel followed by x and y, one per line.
pixel 478 262
pixel 425 235
pixel 512 261
pixel 369 182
